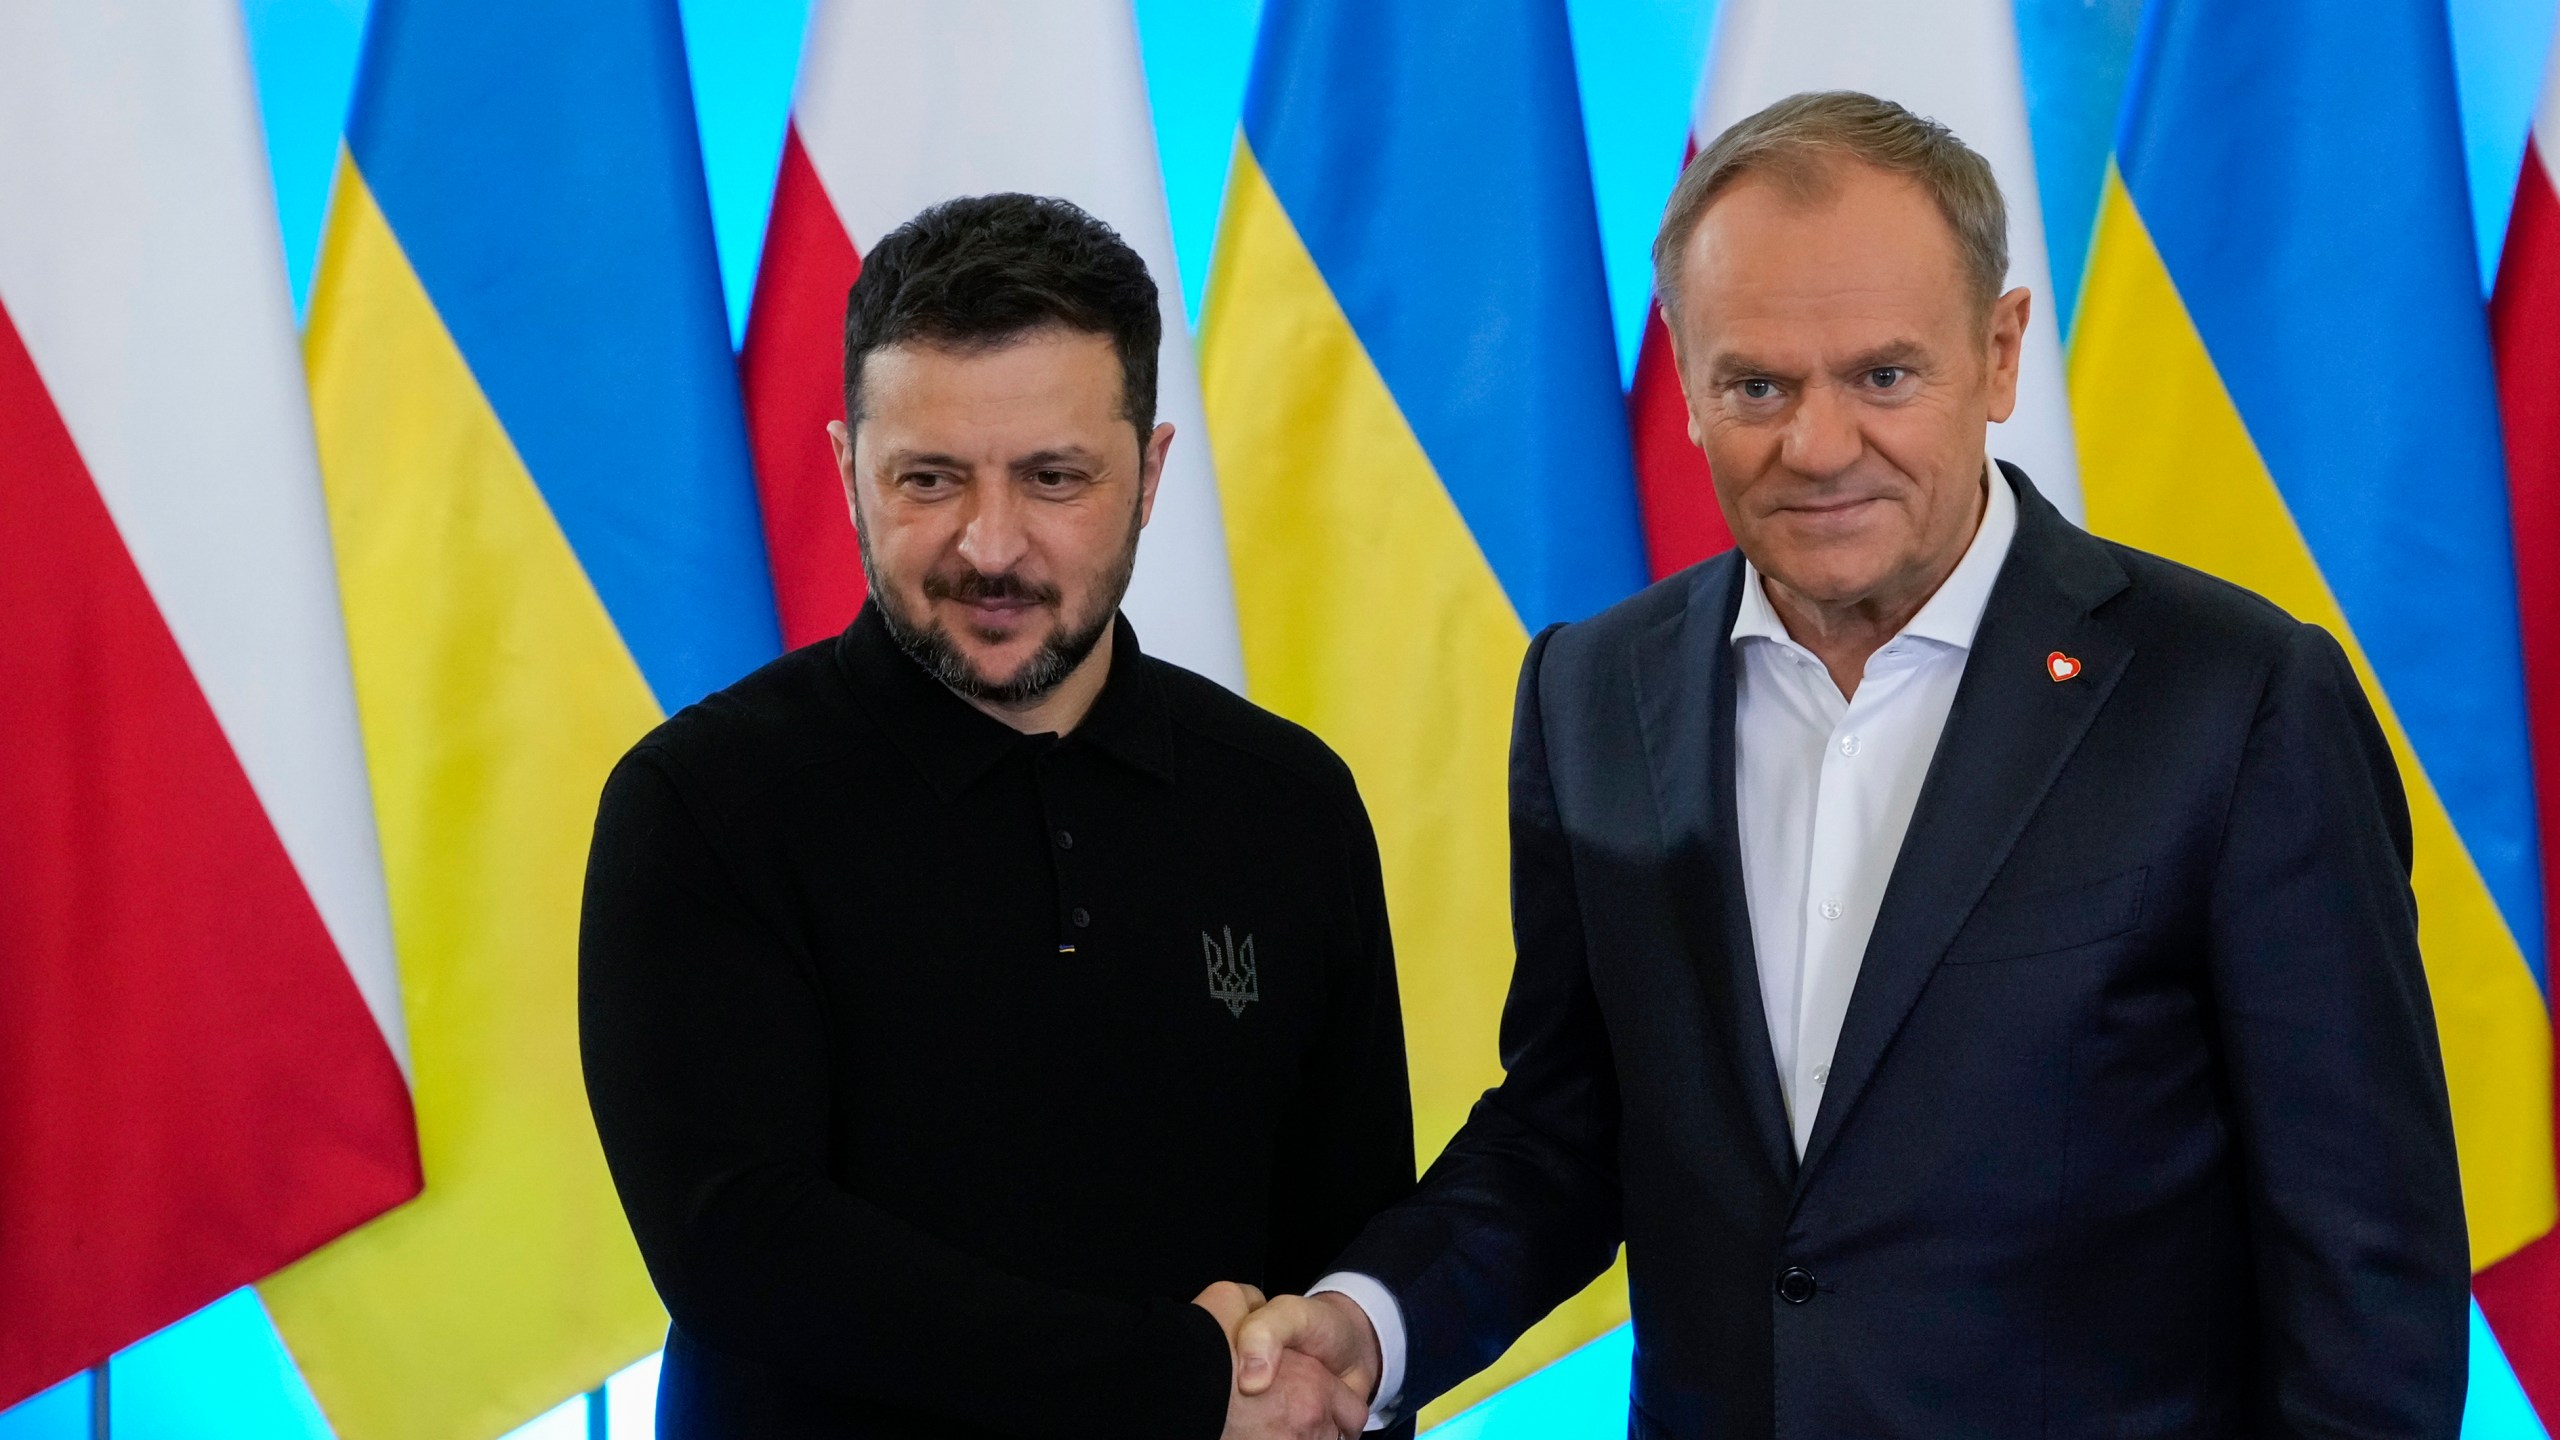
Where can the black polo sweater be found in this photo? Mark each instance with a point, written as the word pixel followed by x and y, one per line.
pixel 938 1065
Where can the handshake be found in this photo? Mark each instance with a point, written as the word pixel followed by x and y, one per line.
pixel 1305 1368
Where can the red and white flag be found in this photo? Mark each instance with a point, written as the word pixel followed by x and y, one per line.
pixel 901 105
pixel 200 1076
pixel 2520 1295
pixel 1955 62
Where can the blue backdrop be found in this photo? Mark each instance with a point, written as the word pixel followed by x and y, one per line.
pixel 222 1374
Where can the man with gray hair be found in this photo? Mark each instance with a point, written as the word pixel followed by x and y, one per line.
pixel 1970 965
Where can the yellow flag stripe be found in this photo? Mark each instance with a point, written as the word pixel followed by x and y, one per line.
pixel 1371 617
pixel 2167 465
pixel 495 694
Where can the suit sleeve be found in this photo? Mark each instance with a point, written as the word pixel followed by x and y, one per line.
pixel 1522 1209
pixel 1346 1149
pixel 2355 1200
pixel 707 1067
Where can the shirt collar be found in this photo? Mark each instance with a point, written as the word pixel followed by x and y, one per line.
pixel 1952 614
pixel 955 744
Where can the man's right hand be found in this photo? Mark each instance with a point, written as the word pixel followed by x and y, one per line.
pixel 1329 1329
pixel 1295 1399
pixel 1298 1400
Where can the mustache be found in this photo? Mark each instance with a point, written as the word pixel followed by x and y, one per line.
pixel 968 586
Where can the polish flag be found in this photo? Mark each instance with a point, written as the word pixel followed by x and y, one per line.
pixel 901 105
pixel 200 1072
pixel 1956 63
pixel 2520 1295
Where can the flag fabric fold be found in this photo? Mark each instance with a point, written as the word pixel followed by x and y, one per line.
pixel 200 1024
pixel 2520 1295
pixel 873 140
pixel 2281 374
pixel 1422 451
pixel 539 489
pixel 1956 63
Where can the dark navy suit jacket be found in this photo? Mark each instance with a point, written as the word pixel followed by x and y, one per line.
pixel 2137 1125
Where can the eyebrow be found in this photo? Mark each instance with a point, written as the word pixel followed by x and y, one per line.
pixel 901 459
pixel 1063 455
pixel 1906 353
pixel 1055 455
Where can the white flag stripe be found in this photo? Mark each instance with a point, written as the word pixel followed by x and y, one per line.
pixel 140 261
pixel 1957 63
pixel 902 105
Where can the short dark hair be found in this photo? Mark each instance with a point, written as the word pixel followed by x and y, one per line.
pixel 984 270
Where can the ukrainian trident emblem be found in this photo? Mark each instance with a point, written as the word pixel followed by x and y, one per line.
pixel 1232 975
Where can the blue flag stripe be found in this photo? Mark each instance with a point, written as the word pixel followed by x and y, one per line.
pixel 1431 157
pixel 2326 259
pixel 543 175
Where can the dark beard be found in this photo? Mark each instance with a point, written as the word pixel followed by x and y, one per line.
pixel 930 645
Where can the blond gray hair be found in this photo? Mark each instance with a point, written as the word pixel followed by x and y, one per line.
pixel 1799 141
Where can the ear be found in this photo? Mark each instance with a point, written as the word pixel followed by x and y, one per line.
pixel 1680 377
pixel 1151 470
pixel 841 437
pixel 2007 340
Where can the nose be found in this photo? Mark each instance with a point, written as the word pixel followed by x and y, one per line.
pixel 995 534
pixel 1822 436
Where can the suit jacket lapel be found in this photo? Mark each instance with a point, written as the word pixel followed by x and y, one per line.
pixel 1685 700
pixel 2008 734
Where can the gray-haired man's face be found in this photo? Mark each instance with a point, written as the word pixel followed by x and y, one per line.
pixel 1840 377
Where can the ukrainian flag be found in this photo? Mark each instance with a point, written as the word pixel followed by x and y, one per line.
pixel 2282 375
pixel 546 539
pixel 1422 453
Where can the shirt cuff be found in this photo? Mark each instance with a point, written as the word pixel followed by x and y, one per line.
pixel 1385 1317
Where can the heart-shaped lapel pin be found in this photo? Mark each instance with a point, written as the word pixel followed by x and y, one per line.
pixel 2060 666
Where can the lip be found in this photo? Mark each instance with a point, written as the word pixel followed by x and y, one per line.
pixel 1823 510
pixel 1831 506
pixel 998 611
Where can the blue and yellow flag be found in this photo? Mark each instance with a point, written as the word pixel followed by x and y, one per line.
pixel 1422 449
pixel 2281 374
pixel 546 539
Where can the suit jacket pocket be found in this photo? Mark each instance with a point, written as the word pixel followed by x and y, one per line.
pixel 2050 921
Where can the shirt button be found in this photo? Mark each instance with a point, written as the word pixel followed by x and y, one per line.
pixel 1821 1074
pixel 1066 841
pixel 1080 918
pixel 1797 1285
pixel 1848 744
pixel 1830 909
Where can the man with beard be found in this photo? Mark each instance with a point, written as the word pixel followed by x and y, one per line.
pixel 964 996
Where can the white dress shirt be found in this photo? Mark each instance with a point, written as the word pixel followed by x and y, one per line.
pixel 1824 784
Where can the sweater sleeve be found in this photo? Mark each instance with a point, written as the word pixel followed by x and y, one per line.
pixel 1346 1150
pixel 708 1070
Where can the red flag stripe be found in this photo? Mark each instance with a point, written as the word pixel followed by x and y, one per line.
pixel 2521 1294
pixel 797 320
pixel 179 1035
pixel 1682 522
